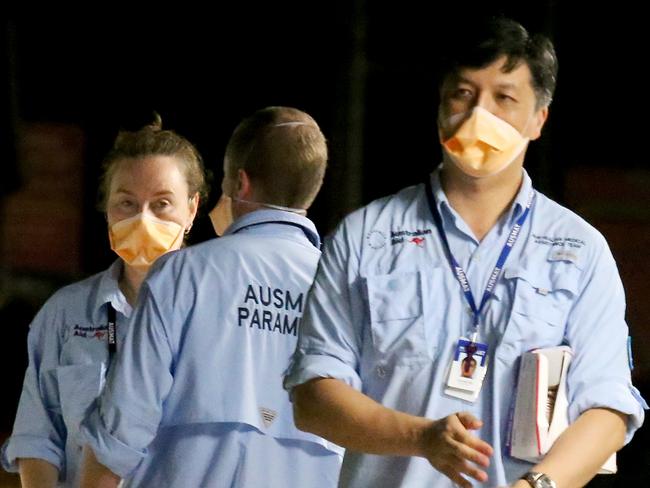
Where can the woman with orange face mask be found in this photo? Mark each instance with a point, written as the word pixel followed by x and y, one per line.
pixel 150 190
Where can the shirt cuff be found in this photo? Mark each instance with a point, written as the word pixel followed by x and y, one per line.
pixel 27 446
pixel 305 367
pixel 109 450
pixel 623 398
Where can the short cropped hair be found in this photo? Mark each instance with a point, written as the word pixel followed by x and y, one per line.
pixel 284 153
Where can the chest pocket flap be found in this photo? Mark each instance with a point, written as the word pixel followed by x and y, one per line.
pixel 394 296
pixel 545 294
pixel 395 307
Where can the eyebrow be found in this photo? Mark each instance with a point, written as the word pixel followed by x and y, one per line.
pixel 503 85
pixel 157 194
pixel 507 86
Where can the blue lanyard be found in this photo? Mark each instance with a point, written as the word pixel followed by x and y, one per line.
pixel 315 240
pixel 456 268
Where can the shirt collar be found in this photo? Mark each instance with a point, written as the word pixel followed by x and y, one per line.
pixel 271 216
pixel 518 205
pixel 109 290
pixel 521 200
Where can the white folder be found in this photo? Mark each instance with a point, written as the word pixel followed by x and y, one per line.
pixel 541 405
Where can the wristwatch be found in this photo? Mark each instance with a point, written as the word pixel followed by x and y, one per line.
pixel 538 480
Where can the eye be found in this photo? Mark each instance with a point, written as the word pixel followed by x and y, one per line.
pixel 161 205
pixel 125 204
pixel 462 93
pixel 506 98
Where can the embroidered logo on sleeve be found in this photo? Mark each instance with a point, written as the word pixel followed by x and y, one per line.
pixel 268 416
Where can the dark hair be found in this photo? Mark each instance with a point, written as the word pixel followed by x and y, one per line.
pixel 483 43
pixel 284 151
pixel 152 140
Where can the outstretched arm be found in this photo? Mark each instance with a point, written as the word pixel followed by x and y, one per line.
pixel 333 410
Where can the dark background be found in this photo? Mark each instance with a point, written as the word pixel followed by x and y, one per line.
pixel 365 71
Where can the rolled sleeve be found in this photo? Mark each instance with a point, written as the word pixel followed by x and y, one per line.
pixel 614 395
pixel 307 366
pixel 599 375
pixel 329 342
pixel 28 446
pixel 39 431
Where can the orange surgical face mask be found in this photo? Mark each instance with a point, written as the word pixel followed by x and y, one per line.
pixel 484 144
pixel 221 215
pixel 140 240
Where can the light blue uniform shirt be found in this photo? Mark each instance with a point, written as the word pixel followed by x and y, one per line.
pixel 386 311
pixel 198 387
pixel 68 353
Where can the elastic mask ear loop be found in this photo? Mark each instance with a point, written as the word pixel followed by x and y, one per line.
pixel 299 211
pixel 291 124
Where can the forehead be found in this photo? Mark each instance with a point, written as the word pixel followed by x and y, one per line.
pixel 149 174
pixel 494 74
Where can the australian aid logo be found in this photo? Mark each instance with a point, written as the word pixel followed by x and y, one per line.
pixel 417 237
pixel 90 332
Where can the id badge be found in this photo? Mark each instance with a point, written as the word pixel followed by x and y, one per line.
pixel 467 371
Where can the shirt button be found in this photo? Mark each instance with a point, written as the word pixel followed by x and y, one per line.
pixel 381 371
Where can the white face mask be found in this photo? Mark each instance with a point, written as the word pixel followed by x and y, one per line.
pixel 484 144
pixel 222 218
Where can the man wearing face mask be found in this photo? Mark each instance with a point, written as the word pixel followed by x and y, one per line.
pixel 473 267
pixel 196 398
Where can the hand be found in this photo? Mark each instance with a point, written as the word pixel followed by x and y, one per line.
pixel 520 484
pixel 453 451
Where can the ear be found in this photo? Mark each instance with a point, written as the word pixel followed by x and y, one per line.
pixel 244 188
pixel 540 119
pixel 194 206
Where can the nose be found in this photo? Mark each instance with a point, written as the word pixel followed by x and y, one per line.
pixel 146 210
pixel 486 101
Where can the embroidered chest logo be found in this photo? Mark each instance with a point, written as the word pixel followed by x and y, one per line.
pixel 418 241
pixel 563 242
pixel 376 239
pixel 415 237
pixel 90 332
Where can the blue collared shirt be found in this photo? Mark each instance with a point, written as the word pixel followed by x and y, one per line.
pixel 211 336
pixel 68 354
pixel 386 311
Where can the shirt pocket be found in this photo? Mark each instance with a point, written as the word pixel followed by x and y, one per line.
pixel 79 386
pixel 396 318
pixel 541 304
